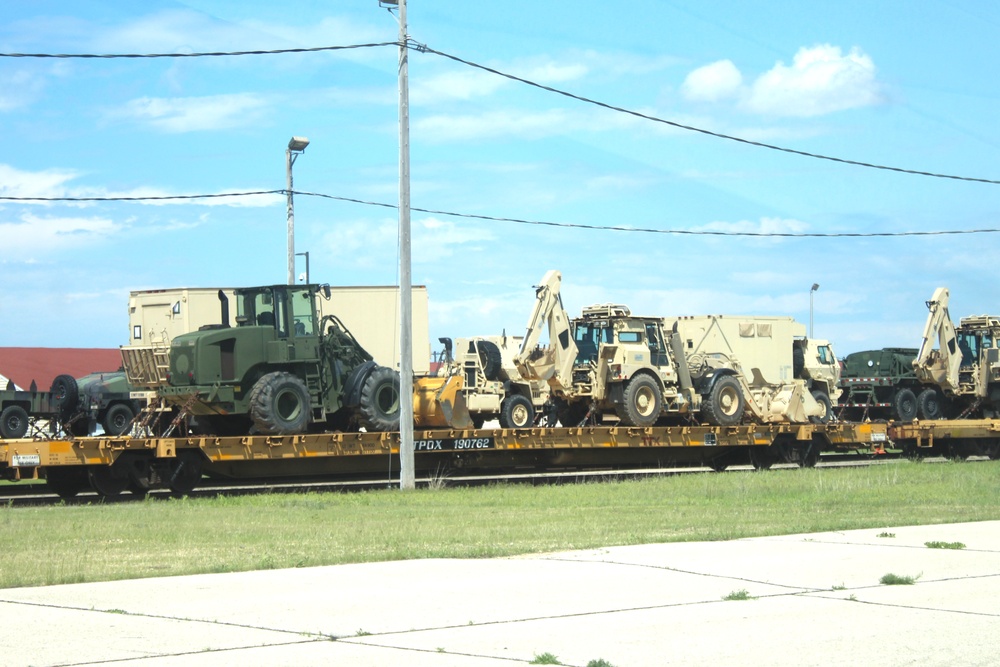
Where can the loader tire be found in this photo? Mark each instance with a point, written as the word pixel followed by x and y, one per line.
pixel 723 404
pixel 279 404
pixel 65 394
pixel 516 411
pixel 572 415
pixel 379 408
pixel 641 402
pixel 929 404
pixel 824 400
pixel 13 422
pixel 489 357
pixel 904 405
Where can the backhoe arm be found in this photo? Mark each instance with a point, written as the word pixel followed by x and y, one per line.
pixel 939 365
pixel 553 363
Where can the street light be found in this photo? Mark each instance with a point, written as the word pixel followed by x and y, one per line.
pixel 811 292
pixel 306 255
pixel 296 145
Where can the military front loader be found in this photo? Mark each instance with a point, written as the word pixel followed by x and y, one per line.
pixel 646 370
pixel 281 370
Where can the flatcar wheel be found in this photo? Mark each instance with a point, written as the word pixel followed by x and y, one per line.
pixel 107 481
pixel 66 482
pixel 186 474
pixel 761 458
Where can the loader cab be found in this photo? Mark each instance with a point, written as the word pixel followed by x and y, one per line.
pixel 288 309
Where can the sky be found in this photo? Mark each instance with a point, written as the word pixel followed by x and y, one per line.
pixel 600 193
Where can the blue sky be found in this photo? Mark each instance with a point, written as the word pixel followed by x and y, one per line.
pixel 887 83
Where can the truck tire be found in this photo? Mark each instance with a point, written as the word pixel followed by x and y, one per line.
pixel 65 394
pixel 929 405
pixel 279 404
pixel 904 405
pixel 118 419
pixel 13 422
pixel 723 404
pixel 489 357
pixel 641 402
pixel 824 400
pixel 379 407
pixel 516 411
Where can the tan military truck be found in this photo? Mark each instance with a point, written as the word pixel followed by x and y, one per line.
pixel 645 370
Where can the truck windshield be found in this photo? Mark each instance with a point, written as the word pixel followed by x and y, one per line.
pixel 588 337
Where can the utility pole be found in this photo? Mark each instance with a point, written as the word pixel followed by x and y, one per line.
pixel 406 451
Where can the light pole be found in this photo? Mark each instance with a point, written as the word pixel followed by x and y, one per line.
pixel 407 479
pixel 811 292
pixel 296 145
pixel 306 255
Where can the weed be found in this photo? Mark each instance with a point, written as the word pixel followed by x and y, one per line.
pixel 601 662
pixel 887 535
pixel 841 587
pixel 944 545
pixel 891 579
pixel 545 659
pixel 362 633
pixel 853 598
pixel 741 594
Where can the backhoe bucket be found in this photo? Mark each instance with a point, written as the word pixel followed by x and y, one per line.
pixel 439 403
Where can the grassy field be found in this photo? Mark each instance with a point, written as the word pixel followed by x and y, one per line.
pixel 158 537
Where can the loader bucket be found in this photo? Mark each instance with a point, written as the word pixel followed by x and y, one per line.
pixel 439 403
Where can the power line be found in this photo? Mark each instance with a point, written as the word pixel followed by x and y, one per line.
pixel 691 128
pixel 148 198
pixel 520 221
pixel 205 54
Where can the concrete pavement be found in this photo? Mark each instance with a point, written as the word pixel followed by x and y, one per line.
pixel 813 600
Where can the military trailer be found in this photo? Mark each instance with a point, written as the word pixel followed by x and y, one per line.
pixel 73 406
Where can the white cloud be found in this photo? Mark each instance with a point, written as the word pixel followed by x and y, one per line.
pixel 30 233
pixel 820 80
pixel 193 114
pixel 712 83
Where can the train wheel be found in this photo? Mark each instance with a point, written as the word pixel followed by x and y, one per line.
pixel 66 482
pixel 186 474
pixel 761 458
pixel 108 481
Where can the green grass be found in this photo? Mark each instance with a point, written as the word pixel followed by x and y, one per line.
pixel 891 579
pixel 160 537
pixel 741 594
pixel 545 659
pixel 944 545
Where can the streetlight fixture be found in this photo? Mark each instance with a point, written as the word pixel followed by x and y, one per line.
pixel 306 255
pixel 811 292
pixel 296 145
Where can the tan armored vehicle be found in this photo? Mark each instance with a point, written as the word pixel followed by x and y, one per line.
pixel 960 368
pixel 645 370
pixel 492 386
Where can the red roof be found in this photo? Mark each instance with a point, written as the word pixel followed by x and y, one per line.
pixel 43 364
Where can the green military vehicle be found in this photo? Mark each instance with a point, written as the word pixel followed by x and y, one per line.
pixel 881 384
pixel 71 406
pixel 281 370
